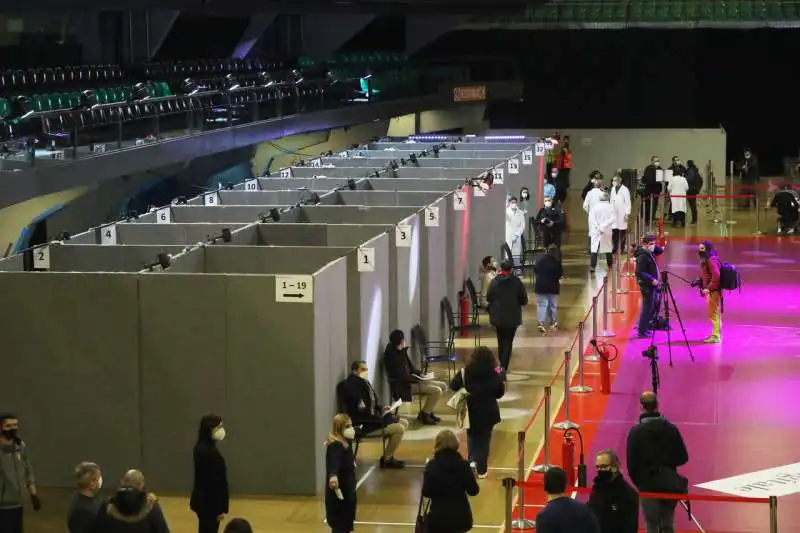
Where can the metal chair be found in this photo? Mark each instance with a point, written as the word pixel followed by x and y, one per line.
pixel 434 351
pixel 360 435
pixel 454 325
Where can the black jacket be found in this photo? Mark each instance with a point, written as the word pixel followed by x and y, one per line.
pixel 616 506
pixel 646 267
pixel 340 462
pixel 131 511
pixel 786 204
pixel 210 488
pixel 506 298
pixel 400 371
pixel 694 180
pixel 485 388
pixel 678 170
pixel 749 170
pixel 552 214
pixel 82 513
pixel 655 450
pixel 548 272
pixel 359 401
pixel 651 186
pixel 447 482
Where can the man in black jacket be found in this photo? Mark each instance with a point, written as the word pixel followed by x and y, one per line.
pixel 695 182
pixel 550 220
pixel 85 503
pixel 613 500
pixel 506 297
pixel 655 451
pixel 788 208
pixel 750 175
pixel 648 277
pixel 359 401
pixel 652 188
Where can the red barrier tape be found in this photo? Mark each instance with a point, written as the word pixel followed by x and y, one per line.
pixel 702 196
pixel 664 495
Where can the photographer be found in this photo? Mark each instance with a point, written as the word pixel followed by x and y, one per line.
pixel 648 278
pixel 709 284
pixel 549 220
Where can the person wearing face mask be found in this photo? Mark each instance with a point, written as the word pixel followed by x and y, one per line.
pixel 648 277
pixel 613 501
pixel 678 169
pixel 678 188
pixel 210 497
pixel 593 178
pixel 709 279
pixel 85 504
pixel 564 170
pixel 340 466
pixel 750 175
pixel 601 222
pixel 16 474
pixel 524 200
pixel 590 199
pixel 695 182
pixel 550 221
pixel 488 273
pixel 506 296
pixel 651 188
pixel 550 188
pixel 621 203
pixel 360 402
pixel 515 228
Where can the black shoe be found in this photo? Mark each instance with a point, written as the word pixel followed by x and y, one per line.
pixel 435 418
pixel 426 419
pixel 392 463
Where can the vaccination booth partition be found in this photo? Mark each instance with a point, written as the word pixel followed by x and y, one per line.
pixel 250 302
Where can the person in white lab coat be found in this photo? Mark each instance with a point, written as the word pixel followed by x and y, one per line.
pixel 621 202
pixel 515 227
pixel 601 222
pixel 678 187
pixel 592 198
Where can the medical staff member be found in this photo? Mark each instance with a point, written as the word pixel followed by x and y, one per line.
pixel 590 199
pixel 678 188
pixel 601 222
pixel 621 202
pixel 515 227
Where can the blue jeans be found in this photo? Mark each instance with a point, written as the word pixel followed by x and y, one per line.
pixel 547 308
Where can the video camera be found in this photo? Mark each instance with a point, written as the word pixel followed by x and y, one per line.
pixel 651 353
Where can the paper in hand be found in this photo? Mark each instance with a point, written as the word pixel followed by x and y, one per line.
pixel 396 405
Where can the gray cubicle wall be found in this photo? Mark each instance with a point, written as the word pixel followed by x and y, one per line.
pixel 227 215
pixel 183 345
pixel 375 198
pixel 149 233
pixel 12 263
pixel 92 258
pixel 425 162
pixel 449 146
pixel 469 151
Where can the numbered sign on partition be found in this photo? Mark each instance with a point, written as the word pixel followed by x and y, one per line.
pixel 459 201
pixel 316 163
pixel 286 172
pixel 108 235
pixel 477 192
pixel 164 215
pixel 294 288
pixel 251 185
pixel 539 149
pixel 211 199
pixel 499 175
pixel 432 217
pixel 527 157
pixel 41 257
pixel 549 144
pixel 513 166
pixel 366 259
pixel 343 155
pixel 402 236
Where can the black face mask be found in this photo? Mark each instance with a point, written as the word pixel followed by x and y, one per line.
pixel 604 476
pixel 11 434
pixel 703 255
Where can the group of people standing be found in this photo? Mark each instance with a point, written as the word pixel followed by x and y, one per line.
pixel 679 188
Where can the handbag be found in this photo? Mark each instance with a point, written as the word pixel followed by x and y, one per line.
pixel 422 514
pixel 458 403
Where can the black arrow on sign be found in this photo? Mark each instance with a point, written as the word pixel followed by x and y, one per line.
pixel 293 295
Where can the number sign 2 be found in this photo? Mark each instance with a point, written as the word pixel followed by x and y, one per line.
pixel 108 235
pixel 41 257
pixel 402 236
pixel 366 259
pixel 164 216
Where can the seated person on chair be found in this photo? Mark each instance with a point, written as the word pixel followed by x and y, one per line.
pixel 361 404
pixel 405 379
pixel 788 208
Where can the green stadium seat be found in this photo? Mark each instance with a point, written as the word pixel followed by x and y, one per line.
pixel 774 10
pixel 748 11
pixel 102 96
pixel 5 108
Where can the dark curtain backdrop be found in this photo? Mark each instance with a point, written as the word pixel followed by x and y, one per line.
pixel 743 80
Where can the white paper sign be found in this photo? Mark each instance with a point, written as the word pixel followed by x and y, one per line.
pixel 294 288
pixel 778 481
pixel 366 259
pixel 477 192
pixel 316 163
pixel 527 157
pixel 459 201
pixel 108 235
pixel 286 172
pixel 539 149
pixel 513 166
pixel 164 215
pixel 41 257
pixel 251 185
pixel 402 235
pixel 499 175
pixel 432 217
pixel 344 155
pixel 211 199
pixel 549 144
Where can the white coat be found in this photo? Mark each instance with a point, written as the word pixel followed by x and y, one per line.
pixel 601 222
pixel 515 227
pixel 621 202
pixel 592 198
pixel 677 186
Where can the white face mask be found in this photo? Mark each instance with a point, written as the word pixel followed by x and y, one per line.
pixel 524 196
pixel 513 207
pixel 548 204
pixel 657 163
pixel 218 434
pixel 349 433
pixel 364 375
pixel 554 174
pixel 100 483
pixel 615 183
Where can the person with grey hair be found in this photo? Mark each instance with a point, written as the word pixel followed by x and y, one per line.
pixel 601 224
pixel 131 509
pixel 85 503
pixel 613 501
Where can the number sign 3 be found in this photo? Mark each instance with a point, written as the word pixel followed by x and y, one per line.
pixel 402 236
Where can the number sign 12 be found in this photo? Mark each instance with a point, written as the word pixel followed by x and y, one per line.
pixel 366 259
pixel 251 185
pixel 513 166
pixel 164 216
pixel 41 257
pixel 432 217
pixel 402 236
pixel 108 235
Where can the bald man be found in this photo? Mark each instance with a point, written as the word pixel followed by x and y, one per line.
pixel 655 451
pixel 133 478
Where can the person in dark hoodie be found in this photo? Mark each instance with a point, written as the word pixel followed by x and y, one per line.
pixel 131 509
pixel 695 181
pixel 85 503
pixel 238 525
pixel 655 450
pixel 648 277
pixel 448 482
pixel 613 501
pixel 788 208
pixel 210 498
pixel 550 221
pixel 651 188
pixel 506 298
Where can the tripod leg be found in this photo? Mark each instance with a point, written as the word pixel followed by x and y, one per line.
pixel 680 322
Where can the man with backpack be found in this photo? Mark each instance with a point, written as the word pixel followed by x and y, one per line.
pixel 711 286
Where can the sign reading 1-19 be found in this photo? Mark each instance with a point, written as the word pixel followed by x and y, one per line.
pixel 294 288
pixel 300 285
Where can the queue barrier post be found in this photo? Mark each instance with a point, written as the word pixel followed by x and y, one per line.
pixel 635 240
pixel 758 232
pixel 730 219
pixel 520 522
pixel 592 357
pixel 616 290
pixel 617 287
pixel 773 514
pixel 508 487
pixel 605 332
pixel 652 214
pixel 566 423
pixel 545 466
pixel 581 387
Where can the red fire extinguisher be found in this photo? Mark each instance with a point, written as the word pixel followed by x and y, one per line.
pixel 661 234
pixel 605 375
pixel 464 306
pixel 568 458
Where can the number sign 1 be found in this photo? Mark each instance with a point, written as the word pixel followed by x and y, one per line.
pixel 294 288
pixel 41 257
pixel 164 215
pixel 527 157
pixel 108 235
pixel 432 217
pixel 366 259
pixel 251 185
pixel 286 172
pixel 402 236
pixel 459 201
pixel 211 199
pixel 513 166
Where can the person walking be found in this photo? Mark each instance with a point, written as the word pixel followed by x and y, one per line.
pixel 210 498
pixel 340 494
pixel 447 484
pixel 547 286
pixel 710 285
pixel 483 379
pixel 16 476
pixel 613 501
pixel 506 297
pixel 85 503
pixel 601 222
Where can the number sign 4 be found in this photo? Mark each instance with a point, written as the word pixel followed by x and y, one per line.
pixel 108 235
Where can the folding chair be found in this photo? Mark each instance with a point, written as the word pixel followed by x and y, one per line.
pixel 435 351
pixel 454 325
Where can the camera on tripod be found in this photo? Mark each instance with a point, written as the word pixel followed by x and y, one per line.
pixel 696 283
pixel 651 353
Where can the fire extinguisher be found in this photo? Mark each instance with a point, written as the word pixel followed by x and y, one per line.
pixel 464 306
pixel 661 234
pixel 568 458
pixel 607 352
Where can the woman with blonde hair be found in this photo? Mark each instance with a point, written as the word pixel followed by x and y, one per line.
pixel 340 494
pixel 448 482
